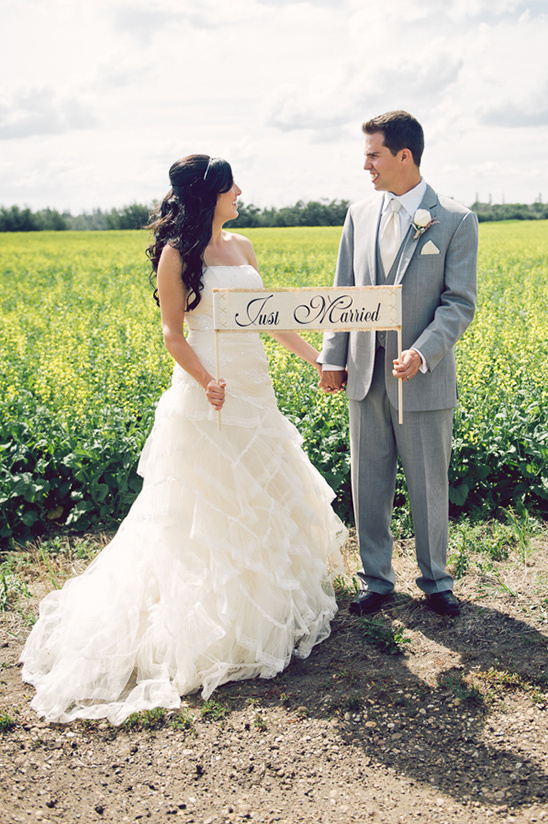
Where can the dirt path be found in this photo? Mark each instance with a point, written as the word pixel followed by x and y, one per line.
pixel 453 729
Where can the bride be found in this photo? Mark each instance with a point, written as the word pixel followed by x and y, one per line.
pixel 220 570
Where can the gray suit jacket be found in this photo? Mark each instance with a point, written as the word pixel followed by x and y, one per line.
pixel 438 300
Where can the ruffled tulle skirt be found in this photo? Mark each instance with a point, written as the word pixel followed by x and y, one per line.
pixel 218 573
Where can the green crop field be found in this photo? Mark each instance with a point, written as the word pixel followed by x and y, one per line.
pixel 82 365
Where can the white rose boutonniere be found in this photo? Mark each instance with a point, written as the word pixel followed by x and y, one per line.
pixel 421 221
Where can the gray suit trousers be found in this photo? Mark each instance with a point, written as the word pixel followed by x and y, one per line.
pixel 423 443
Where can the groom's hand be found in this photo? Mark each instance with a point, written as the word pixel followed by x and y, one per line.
pixel 333 381
pixel 408 365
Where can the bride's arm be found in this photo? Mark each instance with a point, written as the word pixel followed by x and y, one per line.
pixel 291 340
pixel 172 295
pixel 297 345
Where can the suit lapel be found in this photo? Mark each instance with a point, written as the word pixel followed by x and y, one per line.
pixel 430 202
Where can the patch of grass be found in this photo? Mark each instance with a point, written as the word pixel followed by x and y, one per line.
pixel 51 575
pixel 522 527
pixel 468 692
pixel 348 675
pixel 386 637
pixel 213 710
pixel 90 724
pixel 487 588
pixel 12 588
pixel 7 723
pixel 259 722
pixel 146 719
pixel 492 538
pixel 506 680
pixel 184 720
pixel 353 703
pixel 345 588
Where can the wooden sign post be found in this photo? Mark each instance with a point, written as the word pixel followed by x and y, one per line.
pixel 310 309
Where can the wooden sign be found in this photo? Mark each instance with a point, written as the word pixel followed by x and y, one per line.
pixel 311 309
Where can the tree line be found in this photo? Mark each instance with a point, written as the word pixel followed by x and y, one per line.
pixel 313 213
pixel 510 211
pixel 15 219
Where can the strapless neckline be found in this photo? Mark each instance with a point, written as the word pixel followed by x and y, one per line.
pixel 228 266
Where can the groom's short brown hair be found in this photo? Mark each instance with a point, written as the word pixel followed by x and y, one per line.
pixel 400 131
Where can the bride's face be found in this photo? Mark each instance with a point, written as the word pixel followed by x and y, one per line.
pixel 226 207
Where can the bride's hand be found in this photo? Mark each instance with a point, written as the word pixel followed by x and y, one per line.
pixel 215 393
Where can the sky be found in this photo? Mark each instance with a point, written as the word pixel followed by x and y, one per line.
pixel 99 97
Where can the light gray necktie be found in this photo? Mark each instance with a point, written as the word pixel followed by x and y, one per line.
pixel 391 237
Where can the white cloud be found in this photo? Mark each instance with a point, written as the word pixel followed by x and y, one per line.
pixel 101 97
pixel 40 112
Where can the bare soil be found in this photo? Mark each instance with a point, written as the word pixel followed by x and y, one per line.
pixel 454 728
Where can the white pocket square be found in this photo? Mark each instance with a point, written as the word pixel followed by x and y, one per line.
pixel 430 249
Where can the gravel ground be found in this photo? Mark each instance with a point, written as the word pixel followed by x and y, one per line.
pixel 409 717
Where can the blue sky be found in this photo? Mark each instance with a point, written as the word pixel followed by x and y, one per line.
pixel 99 97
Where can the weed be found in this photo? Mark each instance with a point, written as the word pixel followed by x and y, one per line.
pixel 464 542
pixel 386 638
pixel 11 588
pixel 213 710
pixel 461 564
pixel 90 724
pixel 522 528
pixel 51 546
pixel 509 680
pixel 345 588
pixel 259 722
pixel 349 675
pixel 184 720
pixel 468 692
pixel 353 703
pixel 146 719
pixel 6 721
pixel 46 561
pixel 402 519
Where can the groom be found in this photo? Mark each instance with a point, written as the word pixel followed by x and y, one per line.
pixel 406 234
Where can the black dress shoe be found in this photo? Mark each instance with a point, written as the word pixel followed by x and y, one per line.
pixel 367 602
pixel 444 603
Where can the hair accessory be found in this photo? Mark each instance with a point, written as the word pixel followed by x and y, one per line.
pixel 210 163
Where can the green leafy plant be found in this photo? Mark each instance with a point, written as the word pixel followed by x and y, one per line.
pixel 12 588
pixel 259 722
pixel 212 710
pixel 384 636
pixel 146 719
pixel 467 691
pixel 6 721
pixel 353 703
pixel 184 720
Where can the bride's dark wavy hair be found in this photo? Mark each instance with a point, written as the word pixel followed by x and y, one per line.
pixel 184 218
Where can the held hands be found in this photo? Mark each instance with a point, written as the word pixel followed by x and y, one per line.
pixel 333 381
pixel 215 393
pixel 408 365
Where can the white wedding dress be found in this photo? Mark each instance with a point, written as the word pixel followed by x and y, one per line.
pixel 219 571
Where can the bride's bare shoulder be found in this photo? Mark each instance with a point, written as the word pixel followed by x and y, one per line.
pixel 244 247
pixel 170 255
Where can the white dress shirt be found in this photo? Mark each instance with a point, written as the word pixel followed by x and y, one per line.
pixel 410 202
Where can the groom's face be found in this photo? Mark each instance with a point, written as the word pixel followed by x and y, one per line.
pixel 385 168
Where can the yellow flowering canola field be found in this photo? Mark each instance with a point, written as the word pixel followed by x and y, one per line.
pixel 82 365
